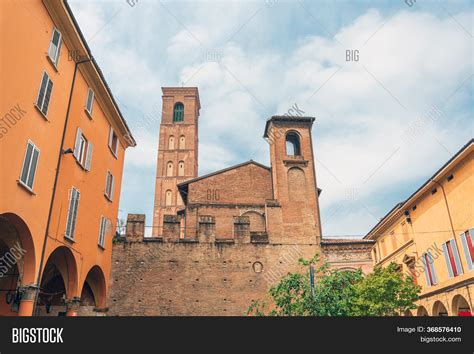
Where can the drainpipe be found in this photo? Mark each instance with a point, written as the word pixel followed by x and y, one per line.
pixel 55 184
pixel 449 213
pixel 447 208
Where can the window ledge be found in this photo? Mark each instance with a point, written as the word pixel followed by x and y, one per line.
pixel 113 153
pixel 101 247
pixel 69 239
pixel 108 198
pixel 25 187
pixel 53 64
pixel 41 112
pixel 89 114
pixel 80 165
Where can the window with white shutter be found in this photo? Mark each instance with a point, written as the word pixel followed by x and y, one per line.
pixel 55 47
pixel 467 240
pixel 113 141
pixel 429 269
pixel 89 102
pixel 44 94
pixel 74 197
pixel 109 186
pixel 451 256
pixel 30 163
pixel 83 150
pixel 102 231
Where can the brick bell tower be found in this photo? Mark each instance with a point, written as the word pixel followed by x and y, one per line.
pixel 293 214
pixel 177 150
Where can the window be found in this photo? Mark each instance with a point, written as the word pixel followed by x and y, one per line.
pixel 168 198
pixel 181 168
pixel 171 143
pixel 178 112
pixel 55 47
pixel 102 231
pixel 74 197
pixel 182 142
pixel 83 150
pixel 468 246
pixel 428 265
pixel 451 255
pixel 169 169
pixel 293 144
pixel 384 250
pixel 393 240
pixel 44 95
pixel 89 101
pixel 30 162
pixel 113 141
pixel 109 186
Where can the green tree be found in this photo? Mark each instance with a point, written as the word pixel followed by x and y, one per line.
pixel 385 292
pixel 338 293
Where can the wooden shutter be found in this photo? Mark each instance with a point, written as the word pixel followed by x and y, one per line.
pixel 89 156
pixel 77 143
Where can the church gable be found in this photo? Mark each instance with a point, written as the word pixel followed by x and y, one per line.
pixel 248 183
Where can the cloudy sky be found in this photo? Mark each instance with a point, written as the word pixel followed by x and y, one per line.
pixel 386 118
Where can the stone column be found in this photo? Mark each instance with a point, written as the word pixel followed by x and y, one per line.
pixel 28 297
pixel 72 306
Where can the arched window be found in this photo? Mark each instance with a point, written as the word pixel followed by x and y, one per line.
pixel 168 197
pixel 169 169
pixel 178 112
pixel 171 143
pixel 292 144
pixel 181 168
pixel 180 200
pixel 182 142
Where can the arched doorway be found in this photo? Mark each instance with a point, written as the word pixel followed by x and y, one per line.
pixel 460 306
pixel 58 283
pixel 407 313
pixel 421 311
pixel 439 309
pixel 17 256
pixel 93 294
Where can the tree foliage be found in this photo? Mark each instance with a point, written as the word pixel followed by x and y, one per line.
pixel 338 293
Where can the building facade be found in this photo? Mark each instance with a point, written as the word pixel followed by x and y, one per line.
pixel 62 147
pixel 430 236
pixel 236 232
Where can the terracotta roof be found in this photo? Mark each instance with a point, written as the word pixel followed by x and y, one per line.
pixel 291 119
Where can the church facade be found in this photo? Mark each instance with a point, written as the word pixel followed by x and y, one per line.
pixel 221 240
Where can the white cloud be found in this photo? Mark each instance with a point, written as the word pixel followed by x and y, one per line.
pixel 415 60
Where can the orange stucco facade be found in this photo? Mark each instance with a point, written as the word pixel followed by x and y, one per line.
pixel 427 236
pixel 75 259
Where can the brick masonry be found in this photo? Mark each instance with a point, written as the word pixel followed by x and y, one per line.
pixel 199 279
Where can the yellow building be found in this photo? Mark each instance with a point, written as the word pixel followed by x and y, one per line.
pixel 431 236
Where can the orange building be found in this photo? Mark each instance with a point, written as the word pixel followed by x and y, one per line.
pixel 62 147
pixel 431 237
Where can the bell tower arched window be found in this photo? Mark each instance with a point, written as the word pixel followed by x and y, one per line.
pixel 181 168
pixel 293 147
pixel 168 197
pixel 178 112
pixel 182 142
pixel 171 142
pixel 169 169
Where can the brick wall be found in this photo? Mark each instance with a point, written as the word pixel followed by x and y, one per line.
pixel 190 278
